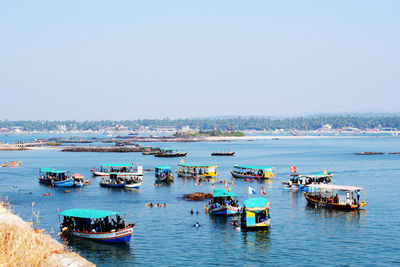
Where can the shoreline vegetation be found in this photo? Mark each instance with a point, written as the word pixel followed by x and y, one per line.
pixel 23 246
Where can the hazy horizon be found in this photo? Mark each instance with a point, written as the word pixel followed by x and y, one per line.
pixel 128 60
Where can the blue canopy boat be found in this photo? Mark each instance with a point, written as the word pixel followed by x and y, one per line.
pixel 224 203
pixel 46 175
pixel 96 225
pixel 253 172
pixel 164 174
pixel 256 213
pixel 62 179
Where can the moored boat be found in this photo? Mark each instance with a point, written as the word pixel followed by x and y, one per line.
pixel 334 196
pixel 256 214
pixel 223 153
pixel 133 182
pixel 164 174
pixel 96 225
pixel 253 172
pixel 197 171
pixel 170 153
pixel 224 203
pixel 124 169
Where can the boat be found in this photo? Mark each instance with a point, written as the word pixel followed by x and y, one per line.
pixel 79 180
pixel 331 196
pixel 164 174
pixel 256 213
pixel 62 179
pixel 197 171
pixel 223 153
pixel 253 172
pixel 170 153
pixel 123 169
pixel 301 181
pixel 46 175
pixel 114 181
pixel 224 203
pixel 11 164
pixel 96 225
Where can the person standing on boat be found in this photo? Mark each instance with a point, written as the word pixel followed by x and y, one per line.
pixel 336 199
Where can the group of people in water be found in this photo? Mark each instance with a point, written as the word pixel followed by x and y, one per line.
pixel 93 225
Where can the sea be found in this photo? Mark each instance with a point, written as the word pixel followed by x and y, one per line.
pixel 164 236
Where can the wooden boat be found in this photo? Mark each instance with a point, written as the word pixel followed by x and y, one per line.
pixel 301 181
pixel 79 180
pixel 197 171
pixel 123 169
pixel 334 196
pixel 253 172
pixel 256 214
pixel 222 153
pixel 62 179
pixel 11 164
pixel 224 203
pixel 164 174
pixel 95 225
pixel 46 175
pixel 170 153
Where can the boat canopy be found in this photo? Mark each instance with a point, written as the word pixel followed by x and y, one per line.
pixel 77 175
pixel 223 193
pixel 197 166
pixel 316 175
pixel 336 187
pixel 117 165
pixel 59 171
pixel 163 167
pixel 46 169
pixel 87 213
pixel 252 167
pixel 256 202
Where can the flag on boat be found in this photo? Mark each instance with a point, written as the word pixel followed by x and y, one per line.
pixel 226 186
pixel 232 183
pixel 325 172
pixel 293 168
pixel 252 191
pixel 262 191
pixel 182 160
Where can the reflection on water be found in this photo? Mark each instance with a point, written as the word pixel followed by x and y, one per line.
pixel 105 252
pixel 345 216
pixel 258 240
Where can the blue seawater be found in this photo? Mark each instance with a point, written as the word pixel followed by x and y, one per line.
pixel 299 235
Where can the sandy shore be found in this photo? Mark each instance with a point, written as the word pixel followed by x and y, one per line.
pixel 23 246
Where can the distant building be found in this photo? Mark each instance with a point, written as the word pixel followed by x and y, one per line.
pixel 185 129
pixel 327 127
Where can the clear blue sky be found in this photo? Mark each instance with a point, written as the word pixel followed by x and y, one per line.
pixel 155 59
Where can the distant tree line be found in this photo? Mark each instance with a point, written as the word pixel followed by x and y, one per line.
pixel 224 124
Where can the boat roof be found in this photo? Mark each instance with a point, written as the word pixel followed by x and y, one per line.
pixel 336 187
pixel 77 175
pixel 163 167
pixel 117 165
pixel 87 213
pixel 255 202
pixel 194 165
pixel 317 175
pixel 253 167
pixel 223 193
pixel 59 171
pixel 46 169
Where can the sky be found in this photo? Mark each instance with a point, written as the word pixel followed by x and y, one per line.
pixel 121 60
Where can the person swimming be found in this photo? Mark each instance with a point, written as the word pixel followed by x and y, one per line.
pixel 196 225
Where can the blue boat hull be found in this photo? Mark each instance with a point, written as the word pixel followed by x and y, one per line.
pixel 237 175
pixel 66 183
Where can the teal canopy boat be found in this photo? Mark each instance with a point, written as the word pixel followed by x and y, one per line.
pixel 97 225
pixel 253 172
pixel 164 174
pixel 46 175
pixel 224 203
pixel 256 214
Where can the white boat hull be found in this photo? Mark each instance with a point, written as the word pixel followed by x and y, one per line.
pixel 122 235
